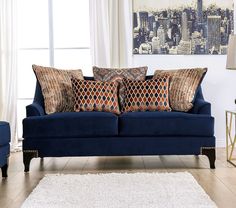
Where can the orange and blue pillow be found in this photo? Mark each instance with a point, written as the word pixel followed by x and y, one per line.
pixel 95 96
pixel 149 95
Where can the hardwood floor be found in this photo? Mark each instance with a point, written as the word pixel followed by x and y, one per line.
pixel 220 184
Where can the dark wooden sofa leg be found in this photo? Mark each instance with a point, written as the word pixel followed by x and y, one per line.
pixel 4 170
pixel 28 155
pixel 211 154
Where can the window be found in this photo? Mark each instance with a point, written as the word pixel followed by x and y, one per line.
pixel 50 33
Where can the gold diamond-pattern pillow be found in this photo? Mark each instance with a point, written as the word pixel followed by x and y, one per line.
pixel 56 87
pixel 116 74
pixel 183 86
pixel 149 95
pixel 95 96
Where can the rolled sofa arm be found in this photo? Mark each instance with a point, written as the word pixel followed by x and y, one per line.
pixel 34 109
pixel 201 107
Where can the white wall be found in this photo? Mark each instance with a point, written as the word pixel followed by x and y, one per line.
pixel 219 84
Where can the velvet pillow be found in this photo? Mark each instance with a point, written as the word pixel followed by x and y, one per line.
pixel 56 87
pixel 95 96
pixel 183 86
pixel 116 74
pixel 149 95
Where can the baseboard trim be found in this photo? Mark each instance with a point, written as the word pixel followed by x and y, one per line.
pixel 221 143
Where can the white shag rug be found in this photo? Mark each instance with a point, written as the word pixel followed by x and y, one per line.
pixel 138 190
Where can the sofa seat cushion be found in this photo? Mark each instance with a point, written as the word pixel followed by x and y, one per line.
pixel 165 124
pixel 71 125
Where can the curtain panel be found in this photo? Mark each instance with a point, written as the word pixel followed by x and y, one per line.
pixel 111 32
pixel 8 65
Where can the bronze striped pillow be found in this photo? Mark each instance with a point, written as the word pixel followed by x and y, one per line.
pixel 183 86
pixel 56 87
pixel 117 74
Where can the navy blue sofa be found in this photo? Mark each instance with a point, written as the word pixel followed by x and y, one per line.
pixel 106 134
pixel 4 146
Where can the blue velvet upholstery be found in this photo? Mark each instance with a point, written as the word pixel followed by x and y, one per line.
pixel 105 134
pixel 165 124
pixel 118 146
pixel 4 153
pixel 4 145
pixel 4 133
pixel 70 125
pixel 35 109
pixel 201 107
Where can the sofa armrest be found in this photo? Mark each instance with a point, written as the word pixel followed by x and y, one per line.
pixel 201 107
pixel 34 109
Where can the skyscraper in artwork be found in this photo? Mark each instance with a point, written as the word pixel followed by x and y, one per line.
pixel 135 20
pixel 213 34
pixel 185 31
pixel 161 35
pixel 185 44
pixel 199 12
pixel 143 20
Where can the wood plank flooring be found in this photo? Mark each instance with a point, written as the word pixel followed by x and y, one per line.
pixel 220 184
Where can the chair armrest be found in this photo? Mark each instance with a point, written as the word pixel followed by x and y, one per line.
pixel 34 109
pixel 201 107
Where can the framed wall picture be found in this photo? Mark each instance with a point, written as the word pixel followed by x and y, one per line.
pixel 182 27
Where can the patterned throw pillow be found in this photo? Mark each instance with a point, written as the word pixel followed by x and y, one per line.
pixel 149 95
pixel 183 86
pixel 56 88
pixel 111 75
pixel 95 96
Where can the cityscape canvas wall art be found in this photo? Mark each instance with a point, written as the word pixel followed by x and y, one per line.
pixel 182 27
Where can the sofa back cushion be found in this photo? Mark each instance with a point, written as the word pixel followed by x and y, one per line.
pixel 183 86
pixel 117 74
pixel 149 95
pixel 56 88
pixel 95 96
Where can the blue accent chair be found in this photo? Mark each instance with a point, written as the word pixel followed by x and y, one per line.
pixel 105 134
pixel 4 147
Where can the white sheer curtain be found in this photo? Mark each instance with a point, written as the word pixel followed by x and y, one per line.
pixel 8 63
pixel 111 32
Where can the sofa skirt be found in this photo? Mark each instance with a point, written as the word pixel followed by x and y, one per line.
pixel 117 146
